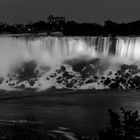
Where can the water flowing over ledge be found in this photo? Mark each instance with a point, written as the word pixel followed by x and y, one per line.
pixel 69 62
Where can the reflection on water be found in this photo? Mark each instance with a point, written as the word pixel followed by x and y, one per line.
pixel 82 113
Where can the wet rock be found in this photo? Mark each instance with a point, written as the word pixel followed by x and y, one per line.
pixel 63 69
pixel 112 79
pixel 114 86
pixel 59 78
pixel 69 85
pixel 103 77
pixel 74 81
pixel 11 84
pixel 58 71
pixel 127 75
pixel 96 77
pixel 78 67
pixel 107 81
pixel 67 75
pixel 10 79
pixel 59 81
pixel 53 75
pixel 90 81
pixel 88 71
pixel 31 82
pixel 128 67
pixel 136 81
pixel 131 84
pixel 22 86
pixel 47 78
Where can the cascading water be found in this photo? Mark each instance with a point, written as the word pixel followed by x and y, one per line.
pixel 128 48
pixel 63 62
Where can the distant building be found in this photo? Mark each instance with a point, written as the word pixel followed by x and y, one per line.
pixel 57 20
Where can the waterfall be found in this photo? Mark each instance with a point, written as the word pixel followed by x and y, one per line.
pixel 54 51
pixel 128 48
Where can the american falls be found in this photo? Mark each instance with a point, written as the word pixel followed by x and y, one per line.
pixel 69 62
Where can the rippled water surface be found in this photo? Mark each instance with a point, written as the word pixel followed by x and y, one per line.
pixel 81 111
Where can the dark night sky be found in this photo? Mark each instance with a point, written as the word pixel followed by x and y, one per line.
pixel 79 10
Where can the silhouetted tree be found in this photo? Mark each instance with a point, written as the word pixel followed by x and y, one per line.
pixel 122 127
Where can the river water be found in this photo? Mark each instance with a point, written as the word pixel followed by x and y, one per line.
pixel 81 111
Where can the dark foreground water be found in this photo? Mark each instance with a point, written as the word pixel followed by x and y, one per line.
pixel 81 111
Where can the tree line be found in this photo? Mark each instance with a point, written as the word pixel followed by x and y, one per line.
pixel 69 28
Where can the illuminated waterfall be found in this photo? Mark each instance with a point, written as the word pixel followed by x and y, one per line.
pixel 53 51
pixel 128 48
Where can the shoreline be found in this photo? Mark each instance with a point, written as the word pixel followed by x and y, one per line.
pixel 10 95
